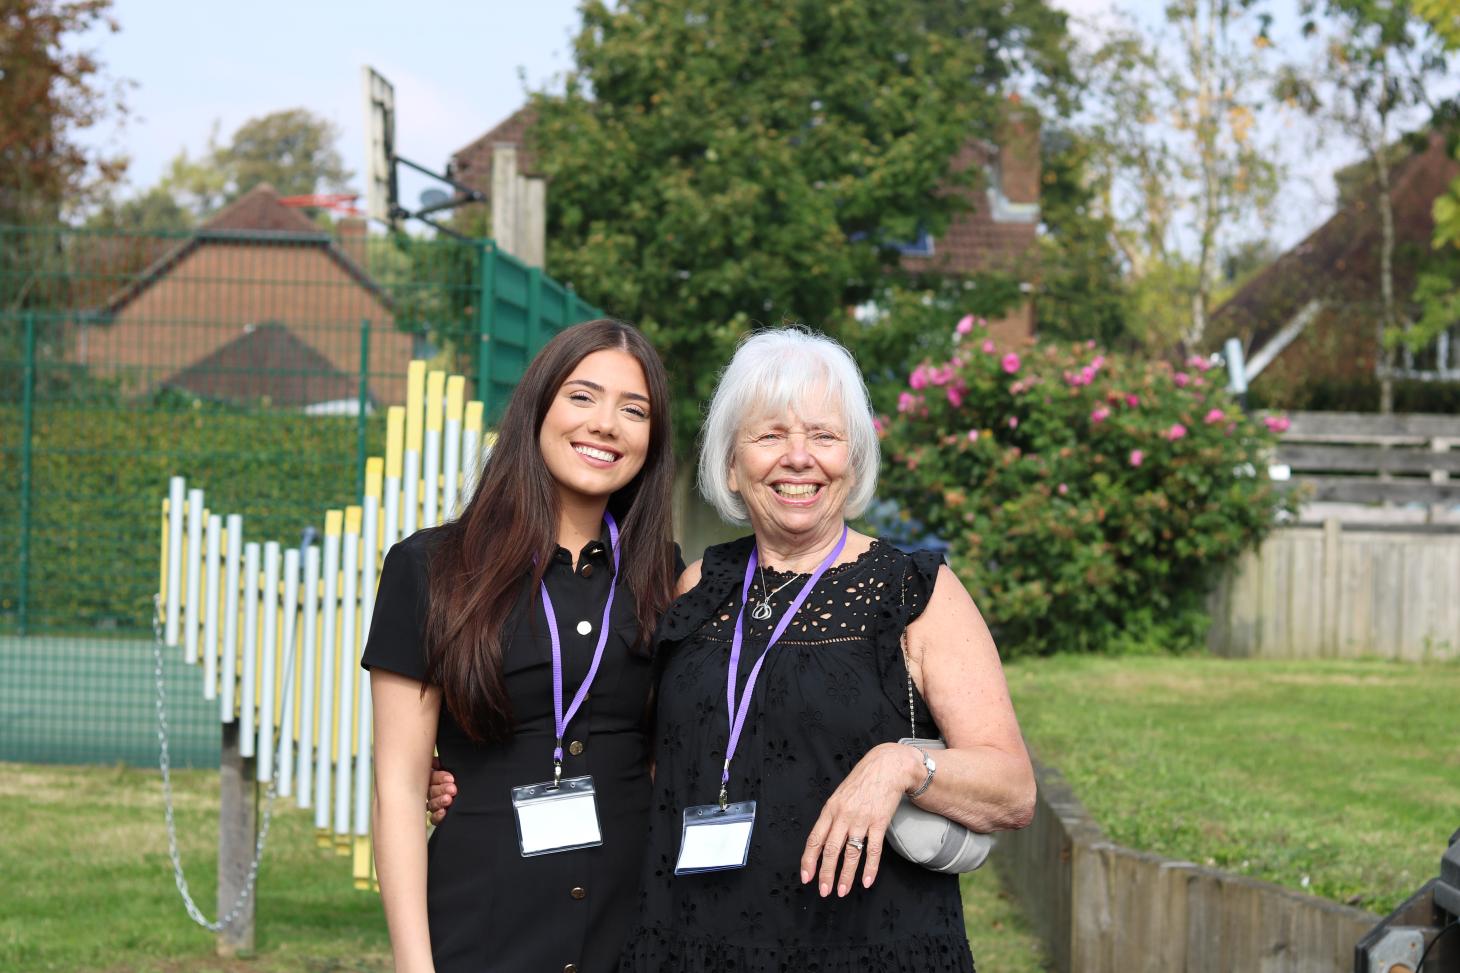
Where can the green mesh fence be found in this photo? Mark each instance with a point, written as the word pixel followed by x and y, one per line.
pixel 257 364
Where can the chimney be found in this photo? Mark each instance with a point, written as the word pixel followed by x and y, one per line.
pixel 353 240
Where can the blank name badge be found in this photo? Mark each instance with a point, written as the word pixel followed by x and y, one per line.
pixel 552 818
pixel 715 839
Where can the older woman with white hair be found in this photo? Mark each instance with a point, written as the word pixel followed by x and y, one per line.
pixel 789 668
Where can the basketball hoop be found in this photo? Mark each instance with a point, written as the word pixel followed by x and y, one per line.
pixel 381 187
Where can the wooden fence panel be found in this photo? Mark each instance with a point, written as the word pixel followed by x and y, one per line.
pixel 1336 592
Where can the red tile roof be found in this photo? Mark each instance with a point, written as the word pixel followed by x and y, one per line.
pixel 1339 261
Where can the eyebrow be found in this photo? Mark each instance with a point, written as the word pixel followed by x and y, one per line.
pixel 599 389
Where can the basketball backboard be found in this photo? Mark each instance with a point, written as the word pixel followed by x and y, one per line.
pixel 380 185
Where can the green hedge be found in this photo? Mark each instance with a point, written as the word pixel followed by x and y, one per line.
pixel 98 479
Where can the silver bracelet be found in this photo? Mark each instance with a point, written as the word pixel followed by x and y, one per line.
pixel 930 767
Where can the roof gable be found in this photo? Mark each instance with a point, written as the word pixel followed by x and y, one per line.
pixel 266 361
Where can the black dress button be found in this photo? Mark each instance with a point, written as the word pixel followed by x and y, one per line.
pixel 576 747
pixel 587 571
pixel 578 892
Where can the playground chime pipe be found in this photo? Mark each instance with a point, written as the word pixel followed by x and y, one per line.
pixel 245 610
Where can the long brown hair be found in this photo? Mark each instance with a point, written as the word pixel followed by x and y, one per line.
pixel 501 545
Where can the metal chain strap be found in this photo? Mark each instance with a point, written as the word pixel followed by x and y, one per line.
pixel 165 763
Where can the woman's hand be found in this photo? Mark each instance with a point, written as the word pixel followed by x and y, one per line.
pixel 860 809
pixel 441 792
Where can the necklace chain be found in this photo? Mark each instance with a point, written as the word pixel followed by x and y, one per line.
pixel 762 611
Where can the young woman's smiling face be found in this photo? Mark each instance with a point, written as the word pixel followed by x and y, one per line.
pixel 595 436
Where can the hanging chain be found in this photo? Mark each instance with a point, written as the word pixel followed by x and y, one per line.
pixel 165 763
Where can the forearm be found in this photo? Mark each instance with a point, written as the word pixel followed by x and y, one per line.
pixel 983 788
pixel 400 864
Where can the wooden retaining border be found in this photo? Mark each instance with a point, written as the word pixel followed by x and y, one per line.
pixel 1101 908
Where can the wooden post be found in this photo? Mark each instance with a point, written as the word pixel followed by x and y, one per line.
pixel 237 838
pixel 1438 510
pixel 1332 574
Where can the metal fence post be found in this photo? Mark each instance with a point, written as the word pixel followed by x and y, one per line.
pixel 27 435
pixel 534 311
pixel 486 308
pixel 364 401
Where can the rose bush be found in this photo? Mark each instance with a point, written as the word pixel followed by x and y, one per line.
pixel 1089 500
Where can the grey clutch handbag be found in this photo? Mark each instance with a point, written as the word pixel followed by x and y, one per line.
pixel 929 839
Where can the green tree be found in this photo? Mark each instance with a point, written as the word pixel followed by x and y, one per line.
pixel 1182 162
pixel 50 91
pixel 1082 292
pixel 1379 59
pixel 715 165
pixel 295 151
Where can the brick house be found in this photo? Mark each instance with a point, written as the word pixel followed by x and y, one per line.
pixel 258 304
pixel 997 232
pixel 1311 317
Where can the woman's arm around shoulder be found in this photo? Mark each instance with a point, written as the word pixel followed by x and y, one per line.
pixel 688 578
pixel 984 779
pixel 405 717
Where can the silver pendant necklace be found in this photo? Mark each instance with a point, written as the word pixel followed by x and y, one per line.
pixel 762 611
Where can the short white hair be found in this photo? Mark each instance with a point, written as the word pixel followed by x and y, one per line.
pixel 775 372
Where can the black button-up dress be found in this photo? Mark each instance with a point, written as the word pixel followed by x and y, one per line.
pixel 491 909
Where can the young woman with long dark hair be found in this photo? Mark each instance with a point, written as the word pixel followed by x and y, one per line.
pixel 514 640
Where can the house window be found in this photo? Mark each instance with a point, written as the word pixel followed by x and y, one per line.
pixel 921 246
pixel 1437 361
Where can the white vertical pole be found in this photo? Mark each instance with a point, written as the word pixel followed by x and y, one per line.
pixel 291 671
pixel 308 735
pixel 210 616
pixel 193 604
pixel 471 446
pixel 395 442
pixel 228 677
pixel 268 675
pixel 176 492
pixel 250 648
pixel 411 459
pixel 451 447
pixel 328 659
pixel 431 451
pixel 348 656
pixel 368 555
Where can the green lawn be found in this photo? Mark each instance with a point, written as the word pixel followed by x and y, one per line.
pixel 87 885
pixel 1338 777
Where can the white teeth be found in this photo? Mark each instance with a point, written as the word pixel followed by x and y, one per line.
pixel 796 489
pixel 598 454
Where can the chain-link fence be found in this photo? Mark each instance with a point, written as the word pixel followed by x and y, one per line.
pixel 255 362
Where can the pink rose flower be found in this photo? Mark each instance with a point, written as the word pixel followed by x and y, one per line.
pixel 1011 363
pixel 1087 375
pixel 1013 422
pixel 1181 379
pixel 1063 489
pixel 1133 400
pixel 955 396
pixel 919 377
pixel 1277 423
pixel 1017 388
pixel 1215 416
pixel 1099 415
pixel 1137 457
pixel 973 435
pixel 1098 362
pixel 988 346
pixel 965 324
pixel 906 402
pixel 1177 431
pixel 879 424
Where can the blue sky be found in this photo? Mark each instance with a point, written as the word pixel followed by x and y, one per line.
pixel 458 68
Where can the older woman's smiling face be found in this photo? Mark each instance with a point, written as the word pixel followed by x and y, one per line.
pixel 793 473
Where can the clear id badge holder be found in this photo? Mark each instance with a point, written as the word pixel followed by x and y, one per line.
pixel 715 838
pixel 552 817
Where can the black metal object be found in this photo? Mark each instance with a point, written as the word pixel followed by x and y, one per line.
pixel 1430 915
pixel 466 194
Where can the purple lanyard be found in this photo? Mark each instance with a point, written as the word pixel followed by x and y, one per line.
pixel 560 720
pixel 737 716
